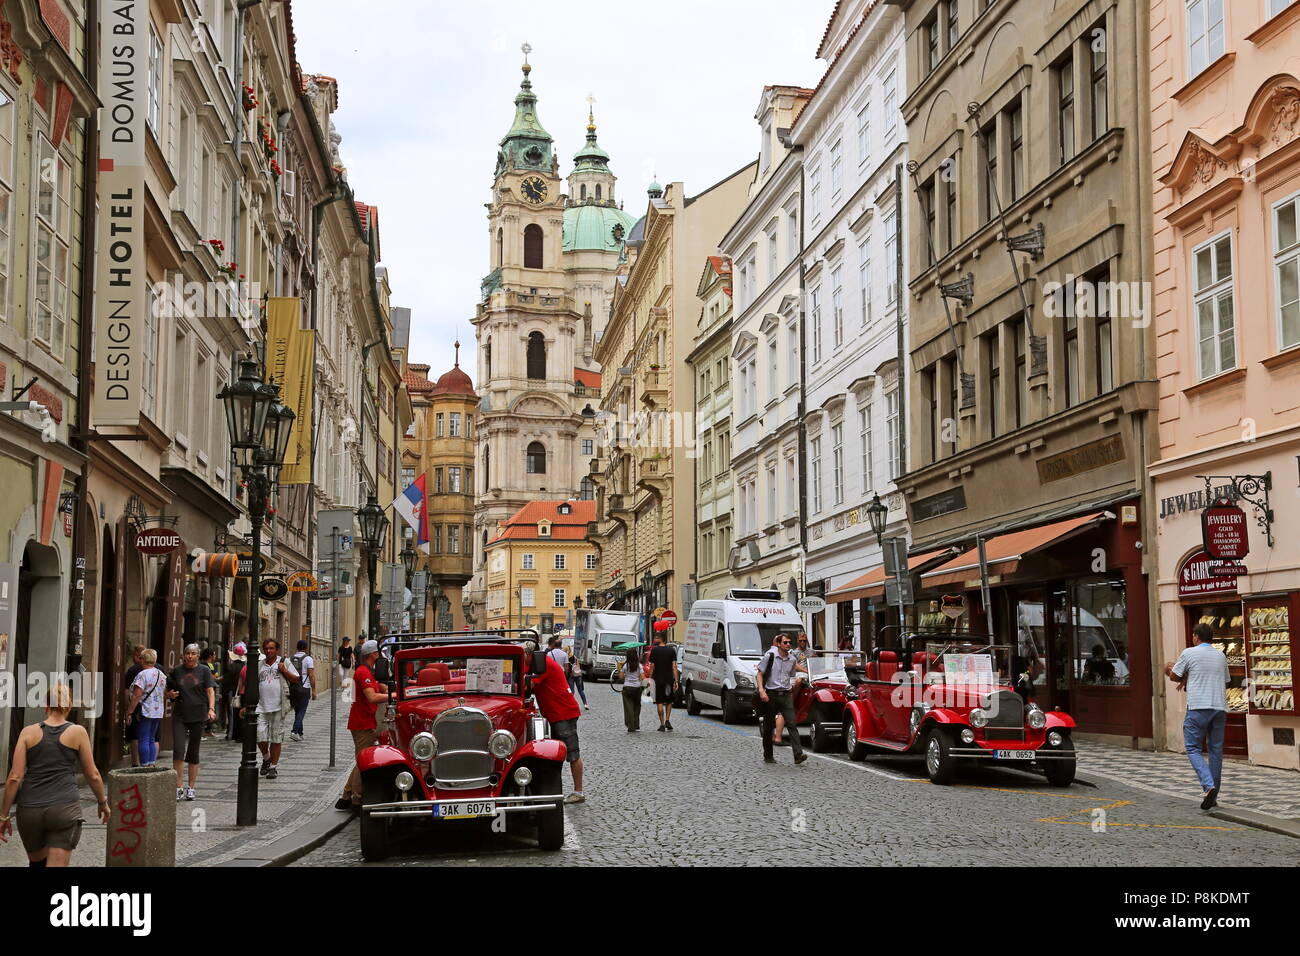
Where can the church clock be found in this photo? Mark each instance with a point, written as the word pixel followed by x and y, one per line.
pixel 534 189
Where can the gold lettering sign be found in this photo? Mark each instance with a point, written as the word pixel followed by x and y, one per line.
pixel 1095 454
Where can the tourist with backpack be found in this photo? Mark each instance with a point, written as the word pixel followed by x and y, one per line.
pixel 304 692
pixel 776 676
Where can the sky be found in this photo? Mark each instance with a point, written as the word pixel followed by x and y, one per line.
pixel 426 91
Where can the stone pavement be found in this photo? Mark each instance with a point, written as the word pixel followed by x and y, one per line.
pixel 1245 786
pixel 206 834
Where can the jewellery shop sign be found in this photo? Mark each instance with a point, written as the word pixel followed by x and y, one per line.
pixel 1225 535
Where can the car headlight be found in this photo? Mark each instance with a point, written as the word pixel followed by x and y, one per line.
pixel 523 776
pixel 404 781
pixel 978 717
pixel 424 747
pixel 743 680
pixel 1037 719
pixel 501 744
pixel 967 735
pixel 1054 738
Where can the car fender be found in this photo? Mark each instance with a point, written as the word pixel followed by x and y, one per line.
pixel 826 695
pixel 383 756
pixel 547 749
pixel 865 723
pixel 941 715
pixel 1059 720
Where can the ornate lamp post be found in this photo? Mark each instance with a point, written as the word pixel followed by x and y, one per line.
pixel 408 556
pixel 647 584
pixel 259 425
pixel 374 529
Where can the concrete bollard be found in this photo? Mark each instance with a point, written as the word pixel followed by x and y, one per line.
pixel 142 828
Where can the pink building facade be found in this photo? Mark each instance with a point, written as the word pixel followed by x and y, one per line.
pixel 1225 98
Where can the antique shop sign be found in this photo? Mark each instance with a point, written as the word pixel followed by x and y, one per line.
pixel 1095 454
pixel 945 502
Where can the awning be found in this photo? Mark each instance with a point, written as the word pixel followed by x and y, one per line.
pixel 1005 551
pixel 872 584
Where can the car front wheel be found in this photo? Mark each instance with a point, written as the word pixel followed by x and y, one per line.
pixel 1060 773
pixel 374 830
pixel 940 764
pixel 550 823
pixel 855 750
pixel 822 741
pixel 692 705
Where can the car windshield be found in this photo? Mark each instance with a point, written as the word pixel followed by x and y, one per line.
pixel 967 663
pixel 611 639
pixel 751 640
pixel 826 667
pixel 433 677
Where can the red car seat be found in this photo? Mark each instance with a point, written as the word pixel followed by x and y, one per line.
pixel 433 675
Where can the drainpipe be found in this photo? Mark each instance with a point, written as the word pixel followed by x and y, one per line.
pixel 803 378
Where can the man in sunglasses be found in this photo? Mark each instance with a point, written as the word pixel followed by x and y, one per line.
pixel 776 676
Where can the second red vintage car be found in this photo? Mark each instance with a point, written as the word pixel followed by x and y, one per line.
pixel 954 699
pixel 466 741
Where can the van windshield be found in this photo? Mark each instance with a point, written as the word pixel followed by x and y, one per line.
pixel 751 640
pixel 611 639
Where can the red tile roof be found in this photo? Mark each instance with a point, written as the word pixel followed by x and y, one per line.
pixel 417 379
pixel 586 378
pixel 720 265
pixel 522 525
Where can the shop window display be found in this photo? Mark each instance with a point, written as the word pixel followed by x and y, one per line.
pixel 1271 666
pixel 1100 632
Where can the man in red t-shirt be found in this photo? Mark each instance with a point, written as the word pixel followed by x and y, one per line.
pixel 368 695
pixel 558 706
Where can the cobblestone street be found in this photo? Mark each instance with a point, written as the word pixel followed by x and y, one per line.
pixel 702 796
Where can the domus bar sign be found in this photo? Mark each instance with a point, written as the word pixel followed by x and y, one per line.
pixel 1224 531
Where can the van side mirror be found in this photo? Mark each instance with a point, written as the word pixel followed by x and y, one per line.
pixel 719 651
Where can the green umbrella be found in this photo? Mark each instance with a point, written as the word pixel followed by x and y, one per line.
pixel 627 646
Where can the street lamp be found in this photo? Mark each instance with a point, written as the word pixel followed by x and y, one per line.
pixel 877 512
pixel 647 582
pixel 435 598
pixel 408 558
pixel 374 529
pixel 259 426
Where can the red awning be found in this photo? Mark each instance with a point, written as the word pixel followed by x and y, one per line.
pixel 872 584
pixel 1004 552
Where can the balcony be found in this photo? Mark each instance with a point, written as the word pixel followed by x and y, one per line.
pixel 654 385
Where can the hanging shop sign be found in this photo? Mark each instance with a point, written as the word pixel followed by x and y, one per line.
pixel 157 541
pixel 272 589
pixel 1224 531
pixel 811 605
pixel 301 581
pixel 246 564
pixel 953 605
pixel 1197 578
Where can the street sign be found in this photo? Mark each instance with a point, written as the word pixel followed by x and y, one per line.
pixel 157 541
pixel 1227 569
pixel 892 595
pixel 1225 533
pixel 301 581
pixel 668 618
pixel 393 601
pixel 811 605
pixel 894 554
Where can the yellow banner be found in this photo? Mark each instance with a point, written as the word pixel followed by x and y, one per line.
pixel 291 357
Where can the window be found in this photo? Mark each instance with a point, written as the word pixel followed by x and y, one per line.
pixel 1071 356
pixel 1022 372
pixel 815 323
pixel 501 238
pixel 931 31
pixel 53 233
pixel 771 495
pixel 772 267
pixel 536 355
pixel 181 386
pixel 1277 6
pixel 8 114
pixel 535 463
pixel 792 233
pixel 1286 263
pixel 953 30
pixel 864 281
pixel 864 131
pixel 864 440
pixel 453 479
pixel 533 246
pixel 526 562
pixel 408 477
pixel 1204 34
pixel 439 422
pixel 837 309
pixel 1100 281
pixel 950 212
pixel 1098 82
pixel 437 481
pixel 1212 299
pixel 926 197
pixel 455 425
pixel 990 136
pixel 815 476
pixel 453 539
pixel 792 484
pixel 706 461
pixel 588 446
pixel 891 107
pixel 765 147
pixel 741 286
pixel 1016 128
pixel 894 434
pixel 560 563
pixel 837 170
pixel 837 462
pixel 527 597
pixel 773 385
pixel 153 114
pixel 437 538
pixel 559 597
pixel 586 490
pixel 891 258
pixel 995 382
pixel 815 193
pixel 591 562
pixel 1065 110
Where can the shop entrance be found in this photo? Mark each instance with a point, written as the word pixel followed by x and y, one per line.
pixel 36 643
pixel 1042 643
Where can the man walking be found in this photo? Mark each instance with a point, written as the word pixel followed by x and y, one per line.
pixel 1202 670
pixel 363 726
pixel 663 671
pixel 776 675
pixel 304 692
pixel 274 675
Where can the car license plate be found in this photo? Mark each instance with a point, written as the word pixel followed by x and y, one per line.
pixel 462 809
pixel 1013 755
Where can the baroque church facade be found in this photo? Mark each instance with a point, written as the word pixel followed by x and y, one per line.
pixel 557 248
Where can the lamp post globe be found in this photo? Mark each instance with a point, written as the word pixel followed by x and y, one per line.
pixel 247 402
pixel 877 512
pixel 374 529
pixel 408 558
pixel 276 435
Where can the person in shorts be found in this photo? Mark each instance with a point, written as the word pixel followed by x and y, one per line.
pixel 43 783
pixel 193 690
pixel 275 674
pixel 560 708
pixel 663 671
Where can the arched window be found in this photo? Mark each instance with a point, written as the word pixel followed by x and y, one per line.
pixel 586 491
pixel 487 468
pixel 582 191
pixel 487 356
pixel 536 355
pixel 598 192
pixel 501 244
pixel 535 461
pixel 532 246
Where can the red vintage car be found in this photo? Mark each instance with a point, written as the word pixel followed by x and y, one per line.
pixel 954 698
pixel 819 701
pixel 465 740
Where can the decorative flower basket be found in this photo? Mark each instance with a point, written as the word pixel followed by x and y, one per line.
pixel 250 99
pixel 230 269
pixel 217 245
pixel 276 171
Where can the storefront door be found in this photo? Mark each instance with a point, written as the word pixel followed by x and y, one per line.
pixel 1042 643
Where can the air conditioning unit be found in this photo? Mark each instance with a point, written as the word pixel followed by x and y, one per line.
pixel 289 183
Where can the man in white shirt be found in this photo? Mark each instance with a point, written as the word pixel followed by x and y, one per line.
pixel 302 694
pixel 275 674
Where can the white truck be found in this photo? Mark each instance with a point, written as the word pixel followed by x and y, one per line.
pixel 595 635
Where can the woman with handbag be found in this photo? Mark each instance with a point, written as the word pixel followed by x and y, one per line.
pixel 147 693
pixel 634 681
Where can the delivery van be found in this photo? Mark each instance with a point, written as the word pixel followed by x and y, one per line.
pixel 595 635
pixel 724 641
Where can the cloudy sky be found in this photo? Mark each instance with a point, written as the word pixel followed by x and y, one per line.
pixel 426 92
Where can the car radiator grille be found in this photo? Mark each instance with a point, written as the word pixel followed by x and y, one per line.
pixel 1006 717
pixel 463 759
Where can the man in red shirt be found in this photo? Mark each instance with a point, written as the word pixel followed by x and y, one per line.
pixel 368 695
pixel 558 706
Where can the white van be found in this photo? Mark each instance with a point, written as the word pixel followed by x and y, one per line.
pixel 724 641
pixel 597 633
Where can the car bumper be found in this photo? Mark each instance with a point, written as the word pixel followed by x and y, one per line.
pixel 421 809
pixel 1046 753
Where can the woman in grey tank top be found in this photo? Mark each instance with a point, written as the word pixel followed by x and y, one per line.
pixel 43 782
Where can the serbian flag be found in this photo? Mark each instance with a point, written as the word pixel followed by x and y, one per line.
pixel 410 504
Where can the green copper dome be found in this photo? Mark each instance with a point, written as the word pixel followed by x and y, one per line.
pixel 591 156
pixel 596 228
pixel 527 145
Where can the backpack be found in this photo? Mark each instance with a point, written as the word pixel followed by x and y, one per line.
pixel 297 692
pixel 383 669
